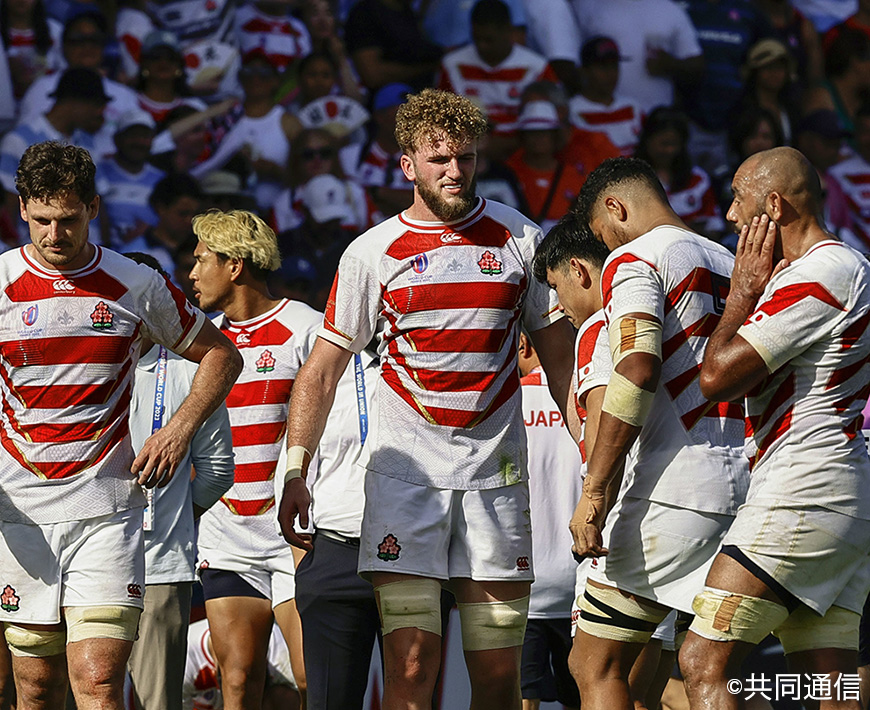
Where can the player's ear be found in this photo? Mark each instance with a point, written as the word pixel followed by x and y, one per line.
pixel 407 166
pixel 236 267
pixel 775 207
pixel 581 271
pixel 615 208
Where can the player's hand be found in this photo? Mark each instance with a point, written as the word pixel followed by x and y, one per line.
pixel 160 455
pixel 753 264
pixel 585 526
pixel 295 501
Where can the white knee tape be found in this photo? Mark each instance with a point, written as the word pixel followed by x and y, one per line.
pixel 32 643
pixel 489 625
pixel 726 616
pixel 410 604
pixel 102 622
pixel 607 613
pixel 804 630
pixel 634 335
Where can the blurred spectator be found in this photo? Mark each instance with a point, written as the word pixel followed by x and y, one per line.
pixel 26 39
pixel 176 199
pixel 184 261
pixel 125 182
pixel 325 39
pixel 161 82
pixel 493 70
pixel 262 135
pixel 657 39
pixel 295 279
pixel 755 129
pixel 726 30
pixel 496 181
pixel 132 26
pixel 552 31
pixel 376 164
pixel 770 74
pixel 222 190
pixel 7 100
pixel 859 21
pixel 448 22
pixel 387 46
pixel 313 154
pixel 824 14
pixel 664 144
pixel 184 143
pixel 820 137
pixel 795 31
pixel 848 199
pixel 548 184
pixel 847 82
pixel 597 107
pixel 266 26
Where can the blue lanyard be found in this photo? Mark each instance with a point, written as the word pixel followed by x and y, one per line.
pixel 159 391
pixel 361 406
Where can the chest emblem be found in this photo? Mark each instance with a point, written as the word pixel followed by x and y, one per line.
pixel 488 264
pixel 266 363
pixel 102 317
pixel 30 315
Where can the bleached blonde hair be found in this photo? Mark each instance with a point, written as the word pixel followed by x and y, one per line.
pixel 239 234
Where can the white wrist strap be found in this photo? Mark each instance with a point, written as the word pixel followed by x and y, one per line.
pixel 296 462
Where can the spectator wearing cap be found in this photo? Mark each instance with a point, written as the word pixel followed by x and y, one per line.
pixel 548 184
pixel 126 179
pixel 267 27
pixel 848 200
pixel 375 164
pixel 598 107
pixel 795 30
pixel 493 71
pixel 387 46
pixel 161 82
pixel 657 40
pixel 261 136
pixel 223 190
pixel 770 76
pixel 726 30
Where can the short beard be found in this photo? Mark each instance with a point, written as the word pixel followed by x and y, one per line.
pixel 446 211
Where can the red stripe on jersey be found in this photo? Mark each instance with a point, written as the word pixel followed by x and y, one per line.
pixel 602 119
pixel 719 410
pixel 701 328
pixel 254 472
pixel 862 179
pixel 485 232
pixel 63 396
pixel 329 311
pixel 100 349
pixel 472 340
pixel 843 374
pixel 248 507
pixel 533 378
pixel 780 427
pixel 472 72
pixel 258 434
pixel 678 384
pixel 430 297
pixel 610 273
pixel 96 284
pixel 795 293
pixel 443 381
pixel 260 392
pixel 700 280
pixel 783 394
pixel 855 331
pixel 586 346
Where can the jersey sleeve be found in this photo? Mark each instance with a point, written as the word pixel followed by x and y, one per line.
pixel 541 307
pixel 354 303
pixel 793 314
pixel 595 352
pixel 168 317
pixel 631 284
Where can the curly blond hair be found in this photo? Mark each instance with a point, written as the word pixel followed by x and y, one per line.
pixel 434 115
pixel 239 234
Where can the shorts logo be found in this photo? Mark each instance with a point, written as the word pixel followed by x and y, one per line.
pixel 30 315
pixel 488 264
pixel 420 263
pixel 134 591
pixel 266 363
pixel 389 549
pixel 102 317
pixel 8 599
pixel 523 564
pixel 63 285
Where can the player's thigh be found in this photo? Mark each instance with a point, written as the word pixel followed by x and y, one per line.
pixel 240 630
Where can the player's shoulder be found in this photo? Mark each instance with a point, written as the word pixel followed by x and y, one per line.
pixel 374 242
pixel 134 276
pixel 592 324
pixel 833 263
pixel 520 226
pixel 520 54
pixel 300 315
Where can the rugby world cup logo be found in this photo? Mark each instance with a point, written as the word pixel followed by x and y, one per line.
pixel 420 263
pixel 30 315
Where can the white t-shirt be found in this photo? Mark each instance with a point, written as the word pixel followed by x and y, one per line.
pixel 444 301
pixel 621 120
pixel 804 437
pixel 690 451
pixel 69 342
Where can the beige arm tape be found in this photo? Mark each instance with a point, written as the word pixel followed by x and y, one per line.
pixel 296 462
pixel 489 625
pixel 626 401
pixel 410 604
pixel 34 643
pixel 102 622
pixel 633 335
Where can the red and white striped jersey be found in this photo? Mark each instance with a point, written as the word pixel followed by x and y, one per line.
pixel 378 168
pixel 696 203
pixel 444 301
pixel 282 40
pixel 849 201
pixel 497 89
pixel 803 423
pixel 621 120
pixel 592 366
pixel 690 450
pixel 69 342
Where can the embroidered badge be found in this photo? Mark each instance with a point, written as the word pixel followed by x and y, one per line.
pixel 420 263
pixel 389 549
pixel 102 317
pixel 266 363
pixel 488 264
pixel 8 599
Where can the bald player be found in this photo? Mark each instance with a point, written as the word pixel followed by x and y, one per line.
pixel 791 341
pixel 663 290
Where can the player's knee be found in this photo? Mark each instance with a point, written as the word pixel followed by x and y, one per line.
pixel 493 625
pixel 102 622
pixel 34 642
pixel 410 604
pixel 725 616
pixel 607 613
